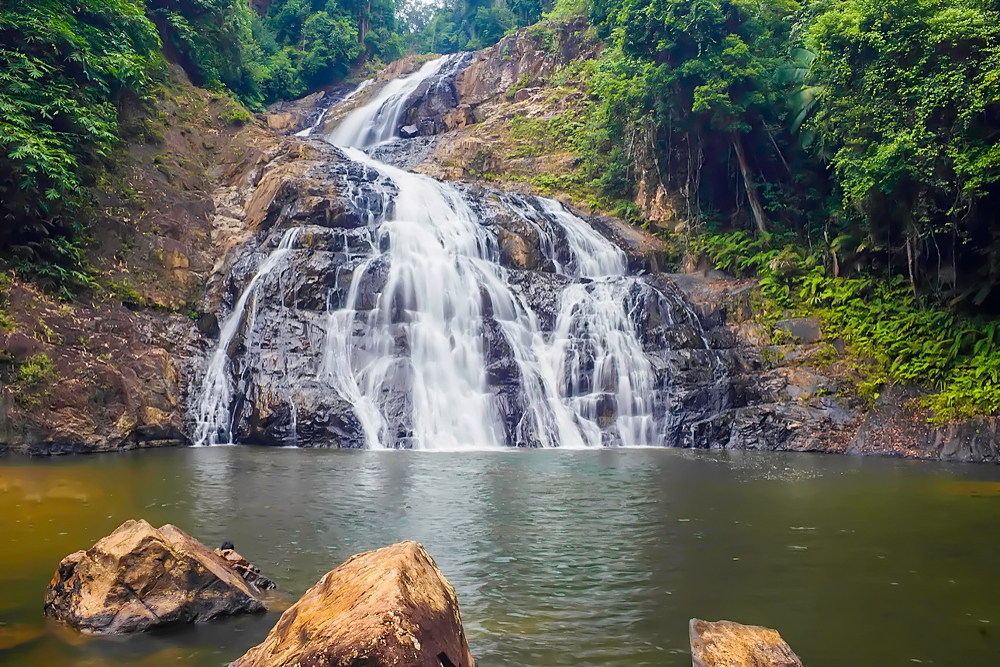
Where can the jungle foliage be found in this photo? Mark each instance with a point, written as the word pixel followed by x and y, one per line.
pixel 63 63
pixel 66 66
pixel 467 25
pixel 867 127
pixel 846 151
pixel 281 50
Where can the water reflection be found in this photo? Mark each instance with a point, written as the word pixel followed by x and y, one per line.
pixel 559 558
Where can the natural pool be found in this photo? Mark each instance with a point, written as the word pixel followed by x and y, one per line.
pixel 559 557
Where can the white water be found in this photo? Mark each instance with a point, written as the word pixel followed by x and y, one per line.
pixel 436 253
pixel 214 425
pixel 361 86
pixel 586 383
pixel 442 268
pixel 378 121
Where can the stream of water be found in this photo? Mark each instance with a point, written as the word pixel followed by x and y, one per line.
pixel 428 342
pixel 594 557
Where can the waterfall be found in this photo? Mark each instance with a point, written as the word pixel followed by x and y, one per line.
pixel 213 422
pixel 379 120
pixel 429 339
pixel 443 269
pixel 319 119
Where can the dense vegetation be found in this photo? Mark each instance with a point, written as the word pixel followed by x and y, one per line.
pixel 867 126
pixel 62 65
pixel 67 66
pixel 467 25
pixel 280 50
pixel 844 150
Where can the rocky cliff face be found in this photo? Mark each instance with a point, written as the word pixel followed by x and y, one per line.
pixel 108 369
pixel 719 381
pixel 707 388
pixel 281 348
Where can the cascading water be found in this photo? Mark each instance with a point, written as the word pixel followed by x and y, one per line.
pixel 214 424
pixel 378 121
pixel 319 119
pixel 432 342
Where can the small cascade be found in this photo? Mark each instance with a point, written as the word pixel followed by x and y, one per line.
pixel 379 120
pixel 214 424
pixel 319 119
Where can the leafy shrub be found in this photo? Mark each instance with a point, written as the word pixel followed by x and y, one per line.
pixel 36 371
pixel 897 337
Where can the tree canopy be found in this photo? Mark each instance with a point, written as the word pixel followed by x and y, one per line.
pixel 62 62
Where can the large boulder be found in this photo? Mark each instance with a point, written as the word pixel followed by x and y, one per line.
pixel 139 577
pixel 386 607
pixel 728 644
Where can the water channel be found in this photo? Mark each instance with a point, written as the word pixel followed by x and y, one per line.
pixel 594 557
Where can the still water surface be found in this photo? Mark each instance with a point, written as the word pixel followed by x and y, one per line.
pixel 559 557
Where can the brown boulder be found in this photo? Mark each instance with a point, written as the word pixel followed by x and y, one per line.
pixel 728 644
pixel 139 577
pixel 386 607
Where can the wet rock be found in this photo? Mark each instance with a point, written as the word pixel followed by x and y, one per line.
pixel 250 572
pixel 728 644
pixel 432 101
pixel 295 116
pixel 409 131
pixel 140 577
pixel 404 153
pixel 381 608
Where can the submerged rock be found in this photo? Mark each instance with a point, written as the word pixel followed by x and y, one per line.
pixel 386 607
pixel 728 644
pixel 140 577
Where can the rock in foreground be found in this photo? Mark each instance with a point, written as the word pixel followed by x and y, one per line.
pixel 728 644
pixel 139 577
pixel 241 566
pixel 386 607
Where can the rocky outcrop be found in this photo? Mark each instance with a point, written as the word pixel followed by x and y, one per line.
pixel 381 608
pixel 241 566
pixel 140 577
pixel 889 428
pixel 90 378
pixel 290 117
pixel 728 644
pixel 282 393
pixel 525 58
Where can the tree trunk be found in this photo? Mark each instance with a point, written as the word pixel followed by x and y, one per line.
pixel 755 206
pixel 364 22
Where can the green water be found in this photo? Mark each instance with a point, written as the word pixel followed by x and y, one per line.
pixel 558 557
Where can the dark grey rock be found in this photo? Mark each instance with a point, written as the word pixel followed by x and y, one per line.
pixel 803 329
